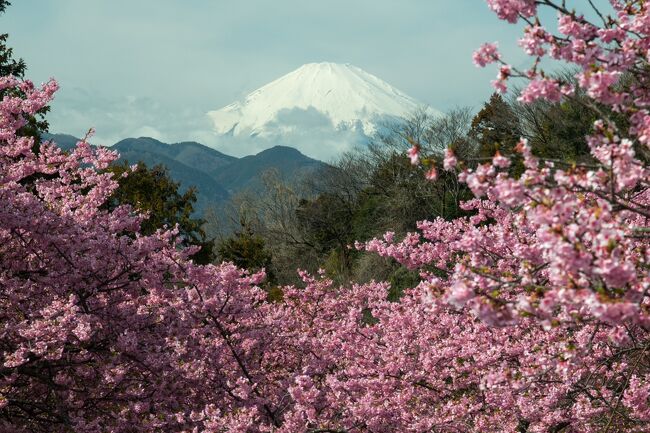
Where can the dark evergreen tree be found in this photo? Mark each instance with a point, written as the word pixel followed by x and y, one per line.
pixel 152 191
pixel 247 250
pixel 326 222
pixel 495 128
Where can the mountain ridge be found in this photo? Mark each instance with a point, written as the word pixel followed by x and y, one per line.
pixel 216 175
pixel 246 172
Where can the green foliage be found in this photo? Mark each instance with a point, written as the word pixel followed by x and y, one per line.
pixel 401 279
pixel 376 189
pixel 562 132
pixel 394 196
pixel 248 251
pixel 557 131
pixel 495 128
pixel 364 221
pixel 326 220
pixel 9 65
pixel 152 191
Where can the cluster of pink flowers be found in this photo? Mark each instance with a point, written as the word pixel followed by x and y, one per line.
pixel 512 10
pixel 532 314
pixel 561 252
pixel 488 53
pixel 542 88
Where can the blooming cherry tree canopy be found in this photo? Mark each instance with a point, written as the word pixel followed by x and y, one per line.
pixel 532 314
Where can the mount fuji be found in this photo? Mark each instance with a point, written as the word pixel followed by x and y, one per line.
pixel 315 106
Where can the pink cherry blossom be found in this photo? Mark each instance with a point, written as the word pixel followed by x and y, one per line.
pixel 431 174
pixel 531 313
pixel 541 88
pixel 450 161
pixel 414 154
pixel 510 10
pixel 488 53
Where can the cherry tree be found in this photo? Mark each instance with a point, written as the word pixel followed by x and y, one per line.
pixel 560 252
pixel 531 315
pixel 103 328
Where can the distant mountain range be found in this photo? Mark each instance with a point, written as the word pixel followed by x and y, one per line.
pixel 320 108
pixel 216 176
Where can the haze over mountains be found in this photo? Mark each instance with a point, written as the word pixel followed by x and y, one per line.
pixel 320 108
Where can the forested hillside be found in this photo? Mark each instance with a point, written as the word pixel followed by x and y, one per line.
pixel 376 189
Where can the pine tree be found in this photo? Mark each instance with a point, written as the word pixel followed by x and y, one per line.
pixel 495 128
pixel 247 250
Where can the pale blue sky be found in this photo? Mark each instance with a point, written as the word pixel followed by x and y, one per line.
pixel 154 67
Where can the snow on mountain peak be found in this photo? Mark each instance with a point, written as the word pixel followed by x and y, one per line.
pixel 343 94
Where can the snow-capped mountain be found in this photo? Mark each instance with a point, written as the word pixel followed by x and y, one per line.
pixel 316 96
